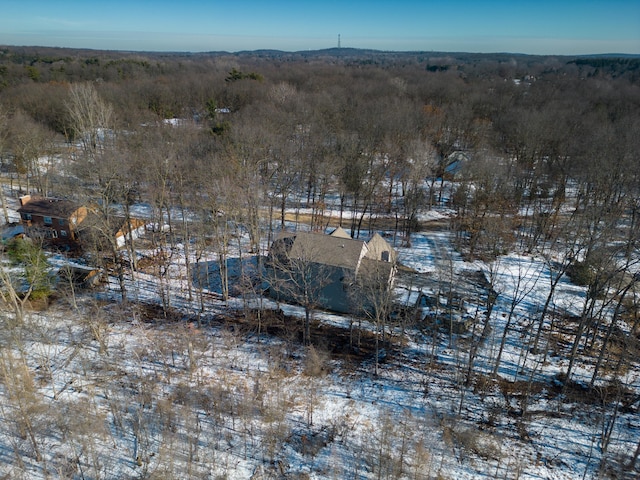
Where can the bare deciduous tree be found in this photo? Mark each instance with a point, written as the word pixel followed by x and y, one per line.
pixel 92 119
pixel 300 277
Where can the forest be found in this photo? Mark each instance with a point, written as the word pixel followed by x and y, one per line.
pixel 517 177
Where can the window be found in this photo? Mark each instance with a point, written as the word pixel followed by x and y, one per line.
pixel 385 256
pixel 48 221
pixel 26 216
pixel 54 234
pixel 61 222
pixel 63 233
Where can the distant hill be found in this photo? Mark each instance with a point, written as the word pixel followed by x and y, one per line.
pixel 344 52
pixel 52 64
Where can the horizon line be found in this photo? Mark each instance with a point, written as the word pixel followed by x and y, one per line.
pixel 310 50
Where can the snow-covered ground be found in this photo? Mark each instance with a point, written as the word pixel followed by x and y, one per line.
pixel 100 390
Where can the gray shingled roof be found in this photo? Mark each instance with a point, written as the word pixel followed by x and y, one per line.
pixel 327 250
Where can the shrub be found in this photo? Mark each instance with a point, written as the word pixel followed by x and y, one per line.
pixel 581 273
pixel 35 267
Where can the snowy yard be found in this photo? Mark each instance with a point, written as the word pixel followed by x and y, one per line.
pixel 110 391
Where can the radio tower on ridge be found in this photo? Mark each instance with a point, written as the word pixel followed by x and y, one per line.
pixel 338 40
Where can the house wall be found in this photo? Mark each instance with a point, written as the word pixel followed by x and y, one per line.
pixel 377 247
pixel 333 295
pixel 54 229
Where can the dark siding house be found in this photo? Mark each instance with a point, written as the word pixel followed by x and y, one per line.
pixel 328 265
pixel 53 220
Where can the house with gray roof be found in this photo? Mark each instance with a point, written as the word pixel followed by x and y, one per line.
pixel 305 267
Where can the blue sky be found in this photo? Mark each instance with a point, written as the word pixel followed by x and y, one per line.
pixel 540 27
